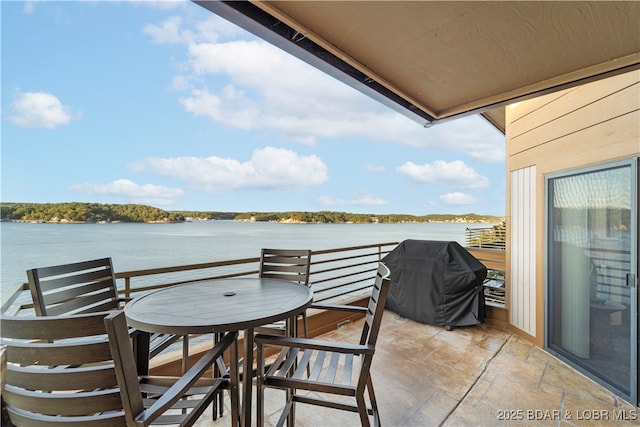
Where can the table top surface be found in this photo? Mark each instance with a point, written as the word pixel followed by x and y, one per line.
pixel 217 305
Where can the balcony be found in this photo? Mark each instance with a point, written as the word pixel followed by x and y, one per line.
pixel 423 374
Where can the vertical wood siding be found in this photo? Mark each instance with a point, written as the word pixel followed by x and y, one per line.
pixel 522 299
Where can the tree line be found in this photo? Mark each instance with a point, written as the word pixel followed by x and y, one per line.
pixel 85 212
pixel 100 212
pixel 332 217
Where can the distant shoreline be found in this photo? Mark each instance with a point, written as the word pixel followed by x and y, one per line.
pixel 243 220
pixel 100 213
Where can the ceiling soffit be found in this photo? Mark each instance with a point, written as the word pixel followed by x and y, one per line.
pixel 440 60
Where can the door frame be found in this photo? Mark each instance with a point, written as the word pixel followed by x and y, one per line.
pixel 633 282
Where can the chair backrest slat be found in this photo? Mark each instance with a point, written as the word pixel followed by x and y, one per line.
pixel 80 287
pixel 286 264
pixel 102 276
pixel 61 269
pixel 60 371
pixel 109 419
pixel 61 378
pixel 375 309
pixel 37 354
pixel 52 329
pixel 87 303
pixel 125 367
pixel 92 402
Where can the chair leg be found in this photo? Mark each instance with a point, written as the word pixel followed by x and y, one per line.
pixel 304 324
pixel 374 403
pixel 141 345
pixel 185 358
pixel 306 335
pixel 220 403
pixel 234 378
pixel 291 420
pixel 185 353
pixel 259 386
pixel 219 371
pixel 362 410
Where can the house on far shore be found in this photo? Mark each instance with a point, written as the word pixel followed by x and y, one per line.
pixel 561 80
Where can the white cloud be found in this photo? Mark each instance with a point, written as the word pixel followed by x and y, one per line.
pixel 181 83
pixel 375 168
pixel 161 4
pixel 269 168
pixel 266 88
pixel 452 174
pixel 28 7
pixel 274 90
pixel 135 193
pixel 471 135
pixel 39 110
pixel 230 107
pixel 169 32
pixel 237 80
pixel 269 89
pixel 458 199
pixel 362 200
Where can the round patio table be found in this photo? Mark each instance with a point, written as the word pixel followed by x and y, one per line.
pixel 218 306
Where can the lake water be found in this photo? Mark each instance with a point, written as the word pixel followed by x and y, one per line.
pixel 140 246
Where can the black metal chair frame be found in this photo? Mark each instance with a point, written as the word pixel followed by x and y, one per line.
pixel 311 365
pixel 79 370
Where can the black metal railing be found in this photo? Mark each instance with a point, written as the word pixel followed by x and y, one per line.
pixel 486 238
pixel 336 275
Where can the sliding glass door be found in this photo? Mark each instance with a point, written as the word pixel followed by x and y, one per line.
pixel 592 264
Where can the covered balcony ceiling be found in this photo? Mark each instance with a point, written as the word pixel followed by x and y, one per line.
pixel 436 61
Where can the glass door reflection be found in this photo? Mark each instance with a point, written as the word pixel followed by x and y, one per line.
pixel 592 263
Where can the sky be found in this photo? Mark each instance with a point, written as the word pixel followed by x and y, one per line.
pixel 169 105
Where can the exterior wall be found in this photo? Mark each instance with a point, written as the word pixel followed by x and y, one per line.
pixel 585 125
pixel 523 248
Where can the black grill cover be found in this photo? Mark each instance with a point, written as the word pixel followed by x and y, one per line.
pixel 436 282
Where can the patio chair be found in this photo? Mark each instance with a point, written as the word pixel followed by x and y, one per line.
pixel 285 264
pixel 84 287
pixel 325 367
pixel 79 370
